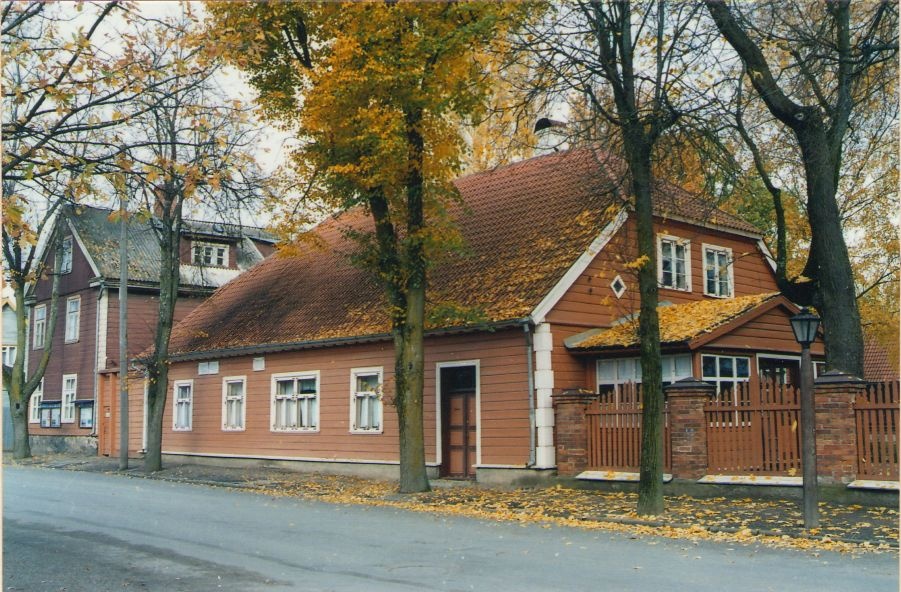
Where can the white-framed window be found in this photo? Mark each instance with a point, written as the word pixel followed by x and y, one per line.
pixel 612 373
pixel 295 402
pixel 183 406
pixel 73 318
pixel 9 355
pixel 718 279
pixel 366 400
pixel 725 371
pixel 208 367
pixel 618 286
pixel 70 390
pixel 40 326
pixel 259 363
pixel 209 254
pixel 674 263
pixel 66 258
pixel 34 405
pixel 234 408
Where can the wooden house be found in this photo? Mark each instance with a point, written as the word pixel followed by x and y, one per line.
pixel 63 413
pixel 293 360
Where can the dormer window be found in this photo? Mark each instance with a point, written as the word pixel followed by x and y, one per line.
pixel 209 254
pixel 66 258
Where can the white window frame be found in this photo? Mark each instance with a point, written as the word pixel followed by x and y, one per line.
pixel 242 380
pixel 686 244
pixel 34 404
pixel 67 408
pixel 717 380
pixel 374 398
pixel 618 293
pixel 188 402
pixel 9 355
pixel 201 250
pixel 73 328
pixel 65 265
pixel 668 372
pixel 205 368
pixel 273 405
pixel 39 331
pixel 730 280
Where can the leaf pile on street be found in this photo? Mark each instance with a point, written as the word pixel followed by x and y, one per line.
pixel 844 528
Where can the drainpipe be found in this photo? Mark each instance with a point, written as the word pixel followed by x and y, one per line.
pixel 527 327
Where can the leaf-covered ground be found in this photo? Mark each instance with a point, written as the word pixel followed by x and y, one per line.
pixel 844 528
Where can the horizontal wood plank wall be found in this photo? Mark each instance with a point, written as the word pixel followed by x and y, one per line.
pixel 69 358
pixel 504 402
pixel 569 371
pixel 590 302
pixel 143 314
pixel 770 331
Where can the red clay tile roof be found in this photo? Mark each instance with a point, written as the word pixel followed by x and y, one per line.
pixel 679 323
pixel 523 225
pixel 876 364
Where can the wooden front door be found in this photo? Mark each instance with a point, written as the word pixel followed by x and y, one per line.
pixel 105 422
pixel 458 422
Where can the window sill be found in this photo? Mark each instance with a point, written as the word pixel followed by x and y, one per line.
pixel 294 430
pixel 234 429
pixel 68 341
pixel 182 430
pixel 367 432
pixel 685 290
pixel 718 296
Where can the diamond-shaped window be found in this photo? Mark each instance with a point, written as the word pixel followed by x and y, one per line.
pixel 618 286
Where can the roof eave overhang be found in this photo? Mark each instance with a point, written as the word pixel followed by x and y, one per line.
pixel 711 226
pixel 268 348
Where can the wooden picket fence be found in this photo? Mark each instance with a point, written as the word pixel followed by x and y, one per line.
pixel 754 430
pixel 876 414
pixel 614 431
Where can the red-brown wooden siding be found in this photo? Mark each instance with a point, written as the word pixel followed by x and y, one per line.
pixel 590 302
pixel 770 332
pixel 143 315
pixel 503 393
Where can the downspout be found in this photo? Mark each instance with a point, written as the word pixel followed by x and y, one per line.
pixel 100 296
pixel 527 327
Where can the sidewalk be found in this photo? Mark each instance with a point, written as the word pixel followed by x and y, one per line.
pixel 844 528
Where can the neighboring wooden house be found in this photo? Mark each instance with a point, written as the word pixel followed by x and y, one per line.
pixel 84 363
pixel 293 361
pixel 9 355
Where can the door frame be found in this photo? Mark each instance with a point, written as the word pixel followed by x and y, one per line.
pixel 438 406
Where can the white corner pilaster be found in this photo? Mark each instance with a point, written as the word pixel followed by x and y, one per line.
pixel 543 345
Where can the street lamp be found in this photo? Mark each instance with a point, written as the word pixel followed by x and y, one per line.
pixel 805 325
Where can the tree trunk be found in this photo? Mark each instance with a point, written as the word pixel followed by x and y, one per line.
pixel 413 476
pixel 158 369
pixel 410 367
pixel 650 485
pixel 836 295
pixel 21 445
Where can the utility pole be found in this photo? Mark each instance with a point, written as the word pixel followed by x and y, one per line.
pixel 123 332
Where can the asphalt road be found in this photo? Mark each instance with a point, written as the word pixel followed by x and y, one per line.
pixel 77 531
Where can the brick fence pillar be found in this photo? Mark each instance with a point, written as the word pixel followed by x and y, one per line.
pixel 834 394
pixel 688 428
pixel 571 429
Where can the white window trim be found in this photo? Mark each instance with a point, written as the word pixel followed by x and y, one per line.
pixel 716 380
pixel 67 338
pixel 208 368
pixel 438 442
pixel 208 245
pixel 63 268
pixel 685 243
pixel 68 403
pixel 299 430
pixel 354 372
pixel 225 382
pixel 620 293
pixel 9 354
pixel 668 370
pixel 35 344
pixel 175 385
pixel 34 404
pixel 730 267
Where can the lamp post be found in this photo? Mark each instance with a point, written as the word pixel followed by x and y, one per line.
pixel 805 325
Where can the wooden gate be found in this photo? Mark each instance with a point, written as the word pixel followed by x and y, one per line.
pixel 614 431
pixel 876 415
pixel 754 430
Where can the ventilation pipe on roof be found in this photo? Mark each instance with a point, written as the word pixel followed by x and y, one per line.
pixel 552 136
